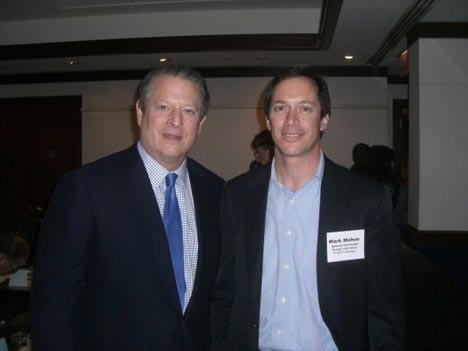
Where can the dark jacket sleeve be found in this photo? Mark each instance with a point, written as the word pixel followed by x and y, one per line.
pixel 224 289
pixel 59 276
pixel 386 301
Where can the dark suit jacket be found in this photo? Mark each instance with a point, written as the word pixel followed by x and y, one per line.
pixel 360 300
pixel 103 277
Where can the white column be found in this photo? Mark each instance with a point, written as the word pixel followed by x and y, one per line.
pixel 438 132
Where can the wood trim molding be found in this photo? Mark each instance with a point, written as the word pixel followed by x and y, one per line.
pixel 331 12
pixel 245 42
pixel 437 30
pixel 42 100
pixel 397 80
pixel 207 72
pixel 434 238
pixel 412 15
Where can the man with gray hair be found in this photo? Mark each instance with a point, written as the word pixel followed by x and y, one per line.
pixel 128 253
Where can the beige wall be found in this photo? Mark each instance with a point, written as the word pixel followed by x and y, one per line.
pixel 359 114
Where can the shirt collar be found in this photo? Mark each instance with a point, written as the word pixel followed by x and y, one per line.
pixel 318 172
pixel 157 173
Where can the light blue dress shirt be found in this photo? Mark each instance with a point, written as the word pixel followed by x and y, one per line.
pixel 290 318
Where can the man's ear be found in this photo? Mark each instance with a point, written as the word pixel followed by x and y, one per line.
pixel 202 122
pixel 139 113
pixel 324 122
pixel 267 120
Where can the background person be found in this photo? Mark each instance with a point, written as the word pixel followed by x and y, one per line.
pixel 262 146
pixel 361 152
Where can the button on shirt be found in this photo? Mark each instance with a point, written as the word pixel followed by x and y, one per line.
pixel 157 175
pixel 290 318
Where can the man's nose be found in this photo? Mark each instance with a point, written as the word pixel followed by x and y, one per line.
pixel 176 118
pixel 291 118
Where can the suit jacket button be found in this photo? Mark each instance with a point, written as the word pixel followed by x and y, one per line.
pixel 254 325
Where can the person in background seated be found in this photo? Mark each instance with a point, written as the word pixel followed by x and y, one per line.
pixel 262 146
pixel 14 253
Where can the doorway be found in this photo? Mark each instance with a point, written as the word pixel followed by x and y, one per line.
pixel 401 139
pixel 40 140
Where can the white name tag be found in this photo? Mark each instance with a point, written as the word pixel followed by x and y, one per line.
pixel 345 246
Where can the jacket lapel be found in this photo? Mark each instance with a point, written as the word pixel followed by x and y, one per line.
pixel 332 212
pixel 138 194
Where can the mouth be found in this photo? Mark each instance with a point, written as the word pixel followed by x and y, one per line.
pixel 170 136
pixel 291 136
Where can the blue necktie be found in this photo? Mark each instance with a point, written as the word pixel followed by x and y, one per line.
pixel 173 227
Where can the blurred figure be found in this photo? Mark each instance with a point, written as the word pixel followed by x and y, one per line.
pixel 380 167
pixel 361 152
pixel 14 254
pixel 3 192
pixel 262 146
pixel 31 227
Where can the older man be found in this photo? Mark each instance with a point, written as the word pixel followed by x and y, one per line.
pixel 129 248
pixel 310 260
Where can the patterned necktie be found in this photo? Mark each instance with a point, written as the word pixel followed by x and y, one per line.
pixel 173 227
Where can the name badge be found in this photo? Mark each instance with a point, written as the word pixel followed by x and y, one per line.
pixel 345 245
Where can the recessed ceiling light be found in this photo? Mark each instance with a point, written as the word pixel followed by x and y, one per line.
pixel 349 57
pixel 162 59
pixel 72 62
pixel 261 58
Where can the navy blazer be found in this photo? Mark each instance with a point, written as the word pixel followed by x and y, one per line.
pixel 103 276
pixel 361 300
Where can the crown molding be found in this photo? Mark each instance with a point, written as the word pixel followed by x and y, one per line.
pixel 207 72
pixel 437 30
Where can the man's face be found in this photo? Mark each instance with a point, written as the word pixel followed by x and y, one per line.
pixel 172 120
pixel 262 155
pixel 294 118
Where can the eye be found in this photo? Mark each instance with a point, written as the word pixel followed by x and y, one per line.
pixel 162 107
pixel 306 108
pixel 279 108
pixel 189 111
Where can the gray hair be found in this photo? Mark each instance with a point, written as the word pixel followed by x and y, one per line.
pixel 181 71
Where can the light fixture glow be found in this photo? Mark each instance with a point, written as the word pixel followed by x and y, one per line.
pixel 349 57
pixel 72 62
pixel 261 58
pixel 162 59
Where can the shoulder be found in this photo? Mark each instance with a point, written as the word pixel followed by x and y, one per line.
pixel 127 157
pixel 105 170
pixel 202 173
pixel 253 179
pixel 350 183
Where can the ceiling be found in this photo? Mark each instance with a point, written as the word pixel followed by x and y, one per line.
pixel 42 37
